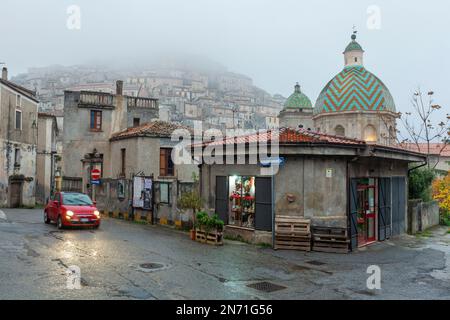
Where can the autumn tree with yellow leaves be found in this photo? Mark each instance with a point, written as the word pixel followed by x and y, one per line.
pixel 441 193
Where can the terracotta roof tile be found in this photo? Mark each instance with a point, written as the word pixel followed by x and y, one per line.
pixel 288 135
pixel 154 128
pixel 435 148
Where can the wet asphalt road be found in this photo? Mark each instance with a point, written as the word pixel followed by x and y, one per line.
pixel 34 258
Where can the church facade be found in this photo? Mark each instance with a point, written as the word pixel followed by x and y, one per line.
pixel 355 103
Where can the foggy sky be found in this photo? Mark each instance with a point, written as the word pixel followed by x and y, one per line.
pixel 274 42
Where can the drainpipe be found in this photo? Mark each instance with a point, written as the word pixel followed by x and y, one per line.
pixel 420 166
pixel 273 207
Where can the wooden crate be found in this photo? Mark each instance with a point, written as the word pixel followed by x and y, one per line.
pixel 333 240
pixel 292 233
pixel 213 237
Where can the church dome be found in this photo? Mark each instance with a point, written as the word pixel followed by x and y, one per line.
pixel 355 89
pixel 297 100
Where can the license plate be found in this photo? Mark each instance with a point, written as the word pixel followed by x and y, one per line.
pixel 84 220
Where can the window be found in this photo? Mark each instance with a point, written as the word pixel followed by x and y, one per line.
pixel 96 120
pixel 136 122
pixel 123 155
pixel 17 157
pixel 356 59
pixel 164 193
pixel 339 130
pixel 18 120
pixel 370 134
pixel 242 204
pixel 166 167
pixel 77 199
pixel 18 100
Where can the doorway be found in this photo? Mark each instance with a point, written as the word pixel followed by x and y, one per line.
pixel 15 194
pixel 366 210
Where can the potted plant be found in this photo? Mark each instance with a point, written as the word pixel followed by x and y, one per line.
pixel 191 201
pixel 209 229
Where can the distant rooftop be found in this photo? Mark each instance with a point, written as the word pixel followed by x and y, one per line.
pixel 157 128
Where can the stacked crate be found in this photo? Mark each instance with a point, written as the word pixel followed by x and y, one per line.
pixel 330 240
pixel 292 233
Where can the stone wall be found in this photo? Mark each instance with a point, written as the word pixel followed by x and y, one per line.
pixel 110 200
pixel 422 215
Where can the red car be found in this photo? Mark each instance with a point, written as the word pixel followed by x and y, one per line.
pixel 71 209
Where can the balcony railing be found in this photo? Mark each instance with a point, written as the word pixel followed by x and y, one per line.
pixel 142 102
pixel 97 99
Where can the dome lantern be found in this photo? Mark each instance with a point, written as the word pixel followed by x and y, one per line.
pixel 353 53
pixel 298 100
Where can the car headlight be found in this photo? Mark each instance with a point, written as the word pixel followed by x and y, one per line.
pixel 97 213
pixel 69 213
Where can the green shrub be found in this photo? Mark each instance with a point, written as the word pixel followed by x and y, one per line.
pixel 204 221
pixel 420 181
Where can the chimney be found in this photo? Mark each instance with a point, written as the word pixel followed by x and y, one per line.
pixel 5 74
pixel 119 87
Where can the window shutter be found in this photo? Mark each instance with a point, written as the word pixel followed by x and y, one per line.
pixel 162 162
pixel 384 209
pixel 353 214
pixel 221 205
pixel 263 204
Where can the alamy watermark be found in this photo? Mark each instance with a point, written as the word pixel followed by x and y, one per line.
pixel 74 17
pixel 73 278
pixel 373 17
pixel 374 280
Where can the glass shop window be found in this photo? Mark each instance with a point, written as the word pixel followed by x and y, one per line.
pixel 242 201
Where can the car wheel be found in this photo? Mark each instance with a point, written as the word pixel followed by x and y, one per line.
pixel 96 227
pixel 46 219
pixel 59 223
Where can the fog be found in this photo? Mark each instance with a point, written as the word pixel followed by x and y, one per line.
pixel 274 42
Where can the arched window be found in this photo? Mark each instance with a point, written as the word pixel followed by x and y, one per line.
pixel 370 134
pixel 339 130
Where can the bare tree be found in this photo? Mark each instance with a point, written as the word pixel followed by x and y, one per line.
pixel 422 127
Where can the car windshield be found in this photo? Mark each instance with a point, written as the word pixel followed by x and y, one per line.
pixel 76 199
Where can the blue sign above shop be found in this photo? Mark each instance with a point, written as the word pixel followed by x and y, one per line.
pixel 267 163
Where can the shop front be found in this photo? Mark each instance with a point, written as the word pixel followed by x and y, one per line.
pixel 244 203
pixel 343 186
pixel 377 209
pixel 367 210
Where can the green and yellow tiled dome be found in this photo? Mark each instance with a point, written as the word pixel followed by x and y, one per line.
pixel 354 89
pixel 297 100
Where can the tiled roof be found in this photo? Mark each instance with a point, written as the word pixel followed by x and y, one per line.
pixel 288 136
pixel 24 91
pixel 435 148
pixel 297 100
pixel 354 89
pixel 46 115
pixel 353 46
pixel 154 128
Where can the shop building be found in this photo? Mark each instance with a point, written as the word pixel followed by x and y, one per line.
pixel 334 181
pixel 144 153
